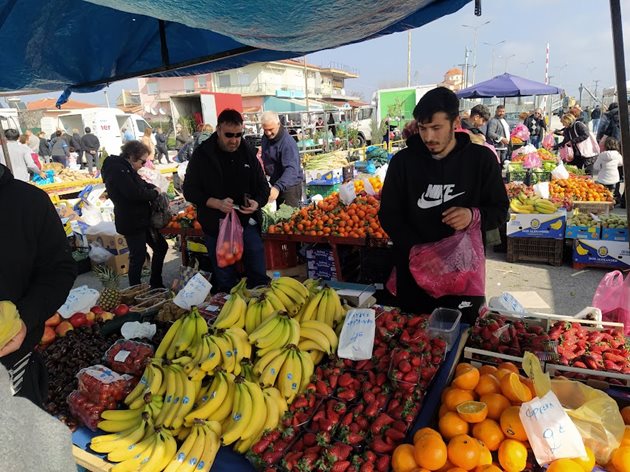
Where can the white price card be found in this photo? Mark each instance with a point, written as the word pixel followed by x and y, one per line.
pixel 193 293
pixel 357 335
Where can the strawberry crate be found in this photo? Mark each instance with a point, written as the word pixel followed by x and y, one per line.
pixel 482 357
pixel 545 250
pixel 575 373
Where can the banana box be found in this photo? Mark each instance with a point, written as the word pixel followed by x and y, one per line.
pixel 537 225
pixel 601 253
pixel 582 232
pixel 615 234
pixel 323 177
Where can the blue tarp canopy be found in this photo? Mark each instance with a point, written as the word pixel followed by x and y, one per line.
pixel 507 85
pixel 85 45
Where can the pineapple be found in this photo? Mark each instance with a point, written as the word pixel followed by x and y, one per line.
pixel 110 295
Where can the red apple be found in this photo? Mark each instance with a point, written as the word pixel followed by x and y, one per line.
pixel 63 328
pixel 90 316
pixel 105 316
pixel 121 310
pixel 48 336
pixel 96 310
pixel 54 320
pixel 78 319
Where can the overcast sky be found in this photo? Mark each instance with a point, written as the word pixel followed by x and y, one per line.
pixel 578 32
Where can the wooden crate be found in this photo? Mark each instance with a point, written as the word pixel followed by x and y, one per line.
pixel 555 370
pixel 89 461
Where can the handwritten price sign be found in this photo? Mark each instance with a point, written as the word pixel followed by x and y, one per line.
pixel 357 335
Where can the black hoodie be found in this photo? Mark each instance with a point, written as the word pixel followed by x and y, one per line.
pixel 419 188
pixel 36 265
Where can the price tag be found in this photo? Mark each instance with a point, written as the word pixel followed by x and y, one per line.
pixel 121 356
pixel 356 341
pixel 550 431
pixel 193 293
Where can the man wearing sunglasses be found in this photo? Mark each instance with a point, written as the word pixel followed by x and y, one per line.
pixel 223 174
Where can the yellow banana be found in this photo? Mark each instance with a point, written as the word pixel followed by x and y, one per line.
pixel 190 464
pixel 109 442
pixel 308 368
pixel 323 328
pixel 120 455
pixel 263 361
pixel 293 284
pixel 183 451
pixel 264 329
pixel 178 395
pixel 225 408
pixel 213 360
pixel 292 307
pixel 290 376
pixel 310 307
pixel 294 331
pixel 252 315
pixel 227 351
pixel 255 425
pixel 241 417
pixel 271 372
pixel 317 356
pixel 240 341
pixel 321 314
pixel 216 395
pixel 275 301
pixel 210 449
pixel 116 426
pixel 186 403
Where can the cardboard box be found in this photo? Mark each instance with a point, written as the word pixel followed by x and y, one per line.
pixel 119 263
pixel 582 232
pixel 116 244
pixel 615 234
pixel 323 177
pixel 537 225
pixel 600 252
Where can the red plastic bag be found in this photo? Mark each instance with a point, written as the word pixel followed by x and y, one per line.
pixel 452 266
pixel 612 297
pixel 230 240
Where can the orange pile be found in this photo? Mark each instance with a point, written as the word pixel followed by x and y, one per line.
pixel 331 217
pixel 580 189
pixel 375 181
pixel 185 219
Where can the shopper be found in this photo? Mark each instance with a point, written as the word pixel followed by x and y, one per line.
pixel 132 199
pixel 430 191
pixel 223 173
pixel 609 124
pixel 90 144
pixel 281 159
pixel 21 160
pixel 575 132
pixel 607 167
pixel 161 148
pixel 59 149
pixel 498 133
pixel 44 148
pixel 204 133
pixel 33 141
pixel 36 273
pixel 75 146
pixel 537 127
pixel 476 123
pixel 182 137
pixel 148 142
pixel 596 115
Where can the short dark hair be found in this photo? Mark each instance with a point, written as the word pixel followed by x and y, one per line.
pixel 611 144
pixel 134 150
pixel 438 100
pixel 58 132
pixel 480 110
pixel 12 134
pixel 499 107
pixel 230 116
pixel 88 130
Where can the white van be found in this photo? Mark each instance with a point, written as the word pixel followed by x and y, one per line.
pixel 106 124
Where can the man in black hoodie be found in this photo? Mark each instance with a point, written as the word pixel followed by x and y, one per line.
pixel 430 191
pixel 222 174
pixel 36 273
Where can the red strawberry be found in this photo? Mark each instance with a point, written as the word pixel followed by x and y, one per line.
pixel 382 464
pixel 340 466
pixel 382 420
pixel 340 451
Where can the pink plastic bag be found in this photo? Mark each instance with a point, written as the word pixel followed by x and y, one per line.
pixel 230 241
pixel 520 131
pixel 548 141
pixel 532 161
pixel 566 153
pixel 612 297
pixel 452 266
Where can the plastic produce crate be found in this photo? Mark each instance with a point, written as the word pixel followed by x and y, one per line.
pixel 535 250
pixel 280 255
pixel 444 324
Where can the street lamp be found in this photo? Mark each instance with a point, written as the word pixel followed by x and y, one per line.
pixel 474 59
pixel 527 64
pixel 493 46
pixel 507 59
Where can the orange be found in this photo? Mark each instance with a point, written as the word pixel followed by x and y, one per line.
pixel 472 411
pixel 514 390
pixel 487 369
pixel 489 432
pixel 456 469
pixel 455 396
pixel 466 377
pixel 508 366
pixel 403 459
pixel 513 456
pixel 496 404
pixel 529 383
pixel 447 466
pixel 464 451
pixel 500 373
pixel 490 468
pixel 621 459
pixel 511 424
pixel 488 383
pixel 422 432
pixel 444 392
pixel 463 366
pixel 625 441
pixel 485 456
pixel 452 425
pixel 443 410
pixel 564 465
pixel 625 414
pixel 430 452
pixel 587 463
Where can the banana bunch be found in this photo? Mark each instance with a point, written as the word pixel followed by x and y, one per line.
pixel 151 382
pixel 276 332
pixel 289 368
pixel 184 335
pixel 326 307
pixel 290 293
pixel 241 289
pixel 317 338
pixel 247 370
pixel 224 348
pixel 232 313
pixel 199 449
pixel 179 397
pixel 249 412
pixel 258 310
pixel 524 204
pixel 216 402
pixel 312 285
pixel 119 420
pixel 276 407
pixel 10 322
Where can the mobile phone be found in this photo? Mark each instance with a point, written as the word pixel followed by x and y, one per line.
pixel 246 200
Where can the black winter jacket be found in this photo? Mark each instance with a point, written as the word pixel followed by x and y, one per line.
pixel 36 265
pixel 205 178
pixel 89 142
pixel 131 195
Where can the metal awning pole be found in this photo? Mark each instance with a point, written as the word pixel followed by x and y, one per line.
pixel 622 92
pixel 5 149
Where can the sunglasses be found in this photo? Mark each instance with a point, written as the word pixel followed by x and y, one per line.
pixel 233 135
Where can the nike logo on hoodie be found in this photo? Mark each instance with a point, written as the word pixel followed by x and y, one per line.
pixel 437 194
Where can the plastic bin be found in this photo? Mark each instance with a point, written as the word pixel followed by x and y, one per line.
pixel 535 250
pixel 280 255
pixel 444 324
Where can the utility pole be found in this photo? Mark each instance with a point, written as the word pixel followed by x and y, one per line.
pixel 596 82
pixel 306 85
pixel 580 88
pixel 474 51
pixel 409 58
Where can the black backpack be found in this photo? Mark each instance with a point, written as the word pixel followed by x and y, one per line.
pixel 160 211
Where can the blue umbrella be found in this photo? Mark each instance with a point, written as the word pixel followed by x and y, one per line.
pixel 508 85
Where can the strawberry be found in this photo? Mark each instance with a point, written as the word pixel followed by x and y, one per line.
pixel 367 467
pixel 309 439
pixel 382 420
pixel 380 446
pixel 272 456
pixel 299 402
pixel 340 466
pixel 345 380
pixel 339 451
pixel 382 464
pixel 395 435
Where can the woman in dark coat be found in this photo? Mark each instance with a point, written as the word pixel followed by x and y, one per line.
pixel 575 132
pixel 132 199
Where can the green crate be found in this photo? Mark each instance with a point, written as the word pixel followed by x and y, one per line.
pixel 323 190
